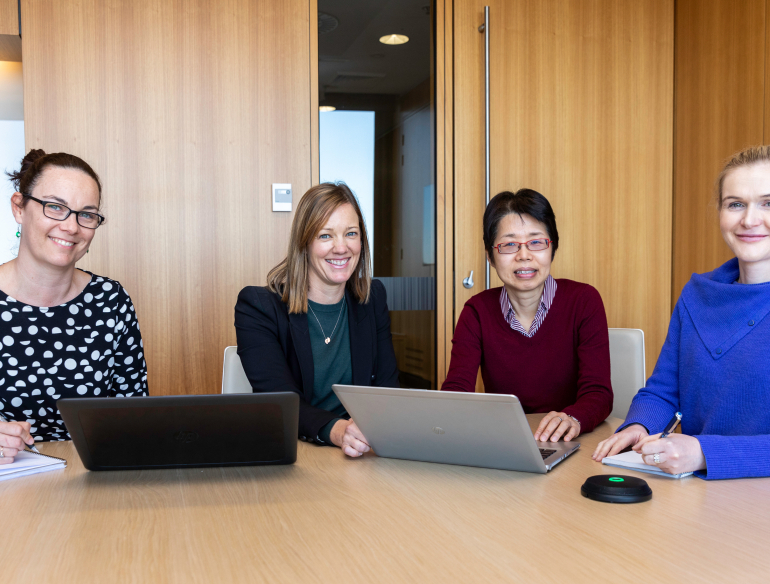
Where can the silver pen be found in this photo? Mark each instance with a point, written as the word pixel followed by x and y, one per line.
pixel 31 447
pixel 671 426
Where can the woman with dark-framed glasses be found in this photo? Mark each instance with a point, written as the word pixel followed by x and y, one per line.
pixel 65 332
pixel 541 339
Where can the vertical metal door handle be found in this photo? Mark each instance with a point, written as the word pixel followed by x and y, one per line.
pixel 468 282
pixel 485 29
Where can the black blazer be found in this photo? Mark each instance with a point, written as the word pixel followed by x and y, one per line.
pixel 274 347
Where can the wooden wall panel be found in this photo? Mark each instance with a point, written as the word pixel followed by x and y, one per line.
pixel 444 105
pixel 188 111
pixel 582 111
pixel 10 42
pixel 720 105
pixel 9 17
pixel 315 152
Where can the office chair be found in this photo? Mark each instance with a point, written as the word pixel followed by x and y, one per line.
pixel 234 379
pixel 627 367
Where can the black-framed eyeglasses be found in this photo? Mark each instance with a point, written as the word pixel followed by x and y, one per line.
pixel 515 246
pixel 59 212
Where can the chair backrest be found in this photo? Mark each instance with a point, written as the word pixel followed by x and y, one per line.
pixel 627 367
pixel 234 378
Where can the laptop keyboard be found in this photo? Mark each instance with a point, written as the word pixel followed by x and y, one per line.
pixel 545 452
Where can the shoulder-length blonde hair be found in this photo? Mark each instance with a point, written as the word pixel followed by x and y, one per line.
pixel 290 277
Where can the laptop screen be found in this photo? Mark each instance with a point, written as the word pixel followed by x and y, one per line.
pixel 184 435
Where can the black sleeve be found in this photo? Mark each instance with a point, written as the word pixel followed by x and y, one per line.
pixel 264 361
pixel 386 368
pixel 129 375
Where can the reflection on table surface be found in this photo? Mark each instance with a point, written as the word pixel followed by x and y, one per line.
pixel 376 520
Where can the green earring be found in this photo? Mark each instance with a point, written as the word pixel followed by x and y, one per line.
pixel 18 233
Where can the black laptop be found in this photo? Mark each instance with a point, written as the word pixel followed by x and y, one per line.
pixel 183 430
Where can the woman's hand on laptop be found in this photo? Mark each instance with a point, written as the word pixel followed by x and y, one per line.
pixel 13 436
pixel 554 425
pixel 347 436
pixel 628 436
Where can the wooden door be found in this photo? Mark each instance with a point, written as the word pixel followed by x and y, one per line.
pixel 582 111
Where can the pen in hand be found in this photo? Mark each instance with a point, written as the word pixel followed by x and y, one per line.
pixel 671 426
pixel 30 446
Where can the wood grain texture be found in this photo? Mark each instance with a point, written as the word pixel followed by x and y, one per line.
pixel 766 133
pixel 315 152
pixel 376 520
pixel 188 111
pixel 582 111
pixel 720 109
pixel 10 41
pixel 444 188
pixel 9 17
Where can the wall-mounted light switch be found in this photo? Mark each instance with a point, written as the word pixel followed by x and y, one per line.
pixel 281 197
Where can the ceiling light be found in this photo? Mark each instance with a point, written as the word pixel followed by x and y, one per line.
pixel 326 108
pixel 394 39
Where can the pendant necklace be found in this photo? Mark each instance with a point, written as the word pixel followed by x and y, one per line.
pixel 328 339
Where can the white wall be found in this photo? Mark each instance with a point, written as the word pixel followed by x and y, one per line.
pixel 11 150
pixel 11 153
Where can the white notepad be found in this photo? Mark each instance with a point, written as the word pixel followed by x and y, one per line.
pixel 633 461
pixel 27 463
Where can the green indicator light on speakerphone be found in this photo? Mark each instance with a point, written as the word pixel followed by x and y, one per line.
pixel 616 479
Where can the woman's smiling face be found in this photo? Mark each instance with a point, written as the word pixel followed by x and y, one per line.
pixel 57 243
pixel 744 215
pixel 524 270
pixel 334 253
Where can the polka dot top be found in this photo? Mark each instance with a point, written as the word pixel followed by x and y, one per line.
pixel 89 346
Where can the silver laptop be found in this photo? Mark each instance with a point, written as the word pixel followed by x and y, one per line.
pixel 472 429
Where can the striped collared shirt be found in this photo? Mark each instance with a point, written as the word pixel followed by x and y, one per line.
pixel 549 291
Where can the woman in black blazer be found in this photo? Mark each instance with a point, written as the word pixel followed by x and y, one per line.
pixel 320 320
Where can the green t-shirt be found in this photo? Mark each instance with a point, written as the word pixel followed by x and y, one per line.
pixel 331 362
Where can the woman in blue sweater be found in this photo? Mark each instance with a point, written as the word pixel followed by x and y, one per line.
pixel 715 363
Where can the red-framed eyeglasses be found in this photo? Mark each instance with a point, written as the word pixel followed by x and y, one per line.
pixel 515 246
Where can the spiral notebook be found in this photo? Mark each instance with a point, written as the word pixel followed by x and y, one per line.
pixel 27 463
pixel 633 460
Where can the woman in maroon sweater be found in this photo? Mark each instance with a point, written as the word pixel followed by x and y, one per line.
pixel 541 339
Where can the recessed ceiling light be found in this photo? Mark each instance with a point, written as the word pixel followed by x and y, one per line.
pixel 326 108
pixel 394 39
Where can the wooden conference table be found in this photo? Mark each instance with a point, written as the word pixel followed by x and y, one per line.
pixel 328 518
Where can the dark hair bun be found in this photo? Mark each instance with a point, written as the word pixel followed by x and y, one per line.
pixel 30 158
pixel 36 161
pixel 26 162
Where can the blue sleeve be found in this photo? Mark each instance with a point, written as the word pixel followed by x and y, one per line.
pixel 733 457
pixel 657 402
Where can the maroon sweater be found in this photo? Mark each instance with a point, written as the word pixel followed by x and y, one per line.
pixel 564 367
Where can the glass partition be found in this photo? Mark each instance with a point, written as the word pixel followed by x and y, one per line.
pixel 377 133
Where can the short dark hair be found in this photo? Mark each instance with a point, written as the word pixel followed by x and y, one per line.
pixel 522 202
pixel 36 161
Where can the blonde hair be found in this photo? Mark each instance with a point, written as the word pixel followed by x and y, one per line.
pixel 746 157
pixel 290 277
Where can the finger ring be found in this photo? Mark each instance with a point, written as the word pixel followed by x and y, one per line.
pixel 560 419
pixel 1 452
pixel 656 458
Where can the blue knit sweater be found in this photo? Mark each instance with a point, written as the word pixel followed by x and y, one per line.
pixel 715 369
